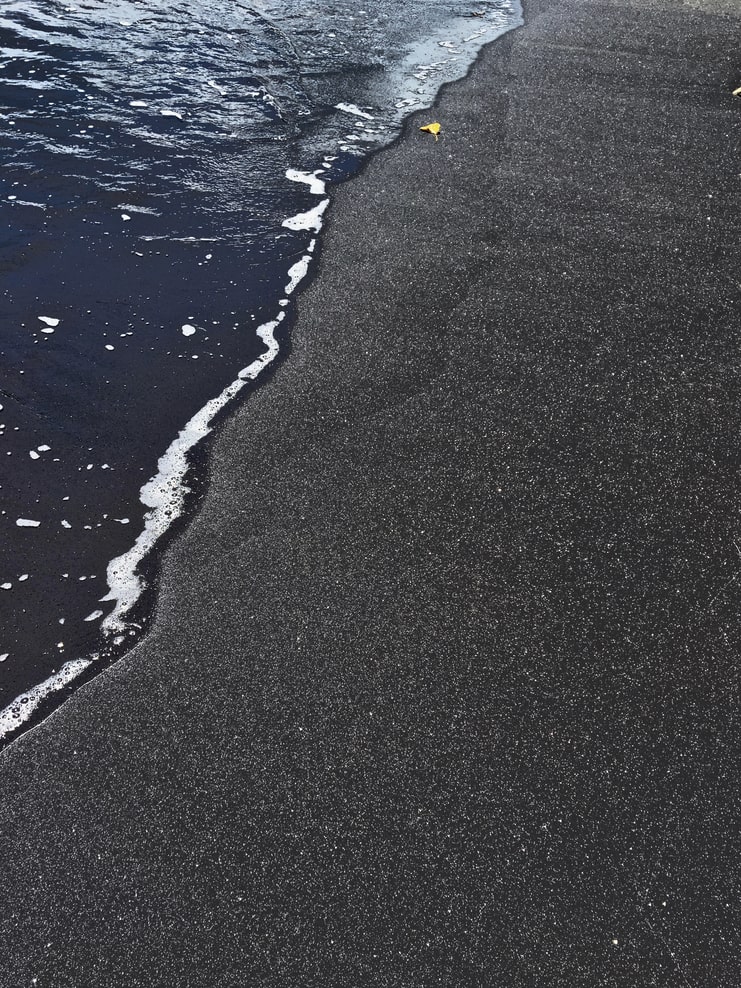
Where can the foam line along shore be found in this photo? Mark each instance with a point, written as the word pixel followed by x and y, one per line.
pixel 68 519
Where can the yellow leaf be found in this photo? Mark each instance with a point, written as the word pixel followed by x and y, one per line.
pixel 737 92
pixel 433 128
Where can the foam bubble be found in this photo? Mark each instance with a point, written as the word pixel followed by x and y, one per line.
pixel 316 185
pixel 311 220
pixel 296 273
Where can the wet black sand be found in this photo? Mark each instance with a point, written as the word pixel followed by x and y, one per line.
pixel 443 685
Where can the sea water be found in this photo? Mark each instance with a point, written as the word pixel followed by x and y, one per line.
pixel 163 183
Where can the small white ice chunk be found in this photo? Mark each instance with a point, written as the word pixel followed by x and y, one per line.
pixel 94 616
pixel 33 454
pixel 6 586
pixel 171 113
pixel 4 656
pixel 49 321
pixel 27 523
pixel 43 449
pixel 138 103
pixel 187 330
pixel 125 217
pixel 65 523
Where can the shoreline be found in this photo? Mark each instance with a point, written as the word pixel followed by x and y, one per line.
pixel 441 682
pixel 166 493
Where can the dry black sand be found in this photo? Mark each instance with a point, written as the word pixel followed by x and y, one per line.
pixel 443 687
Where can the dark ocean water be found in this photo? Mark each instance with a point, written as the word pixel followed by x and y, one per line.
pixel 152 153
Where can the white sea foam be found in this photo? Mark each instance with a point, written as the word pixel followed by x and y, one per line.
pixel 311 220
pixel 297 273
pixel 171 113
pixel 316 185
pixel 164 495
pixel 129 207
pixel 355 110
pixel 19 711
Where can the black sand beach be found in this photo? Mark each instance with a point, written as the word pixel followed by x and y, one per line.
pixel 443 684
